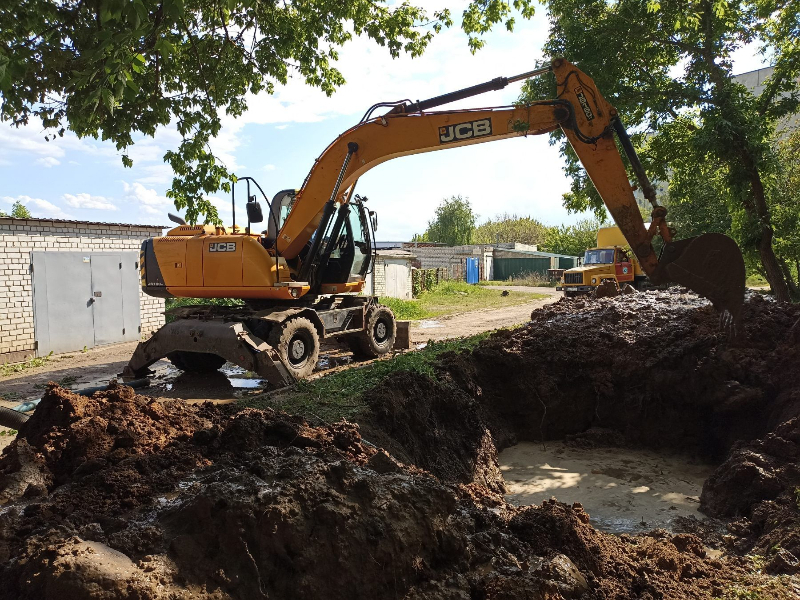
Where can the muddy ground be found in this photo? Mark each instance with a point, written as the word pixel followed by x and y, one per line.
pixel 127 496
pixel 98 366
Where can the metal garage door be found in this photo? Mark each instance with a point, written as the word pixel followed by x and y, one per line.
pixel 84 299
pixel 397 279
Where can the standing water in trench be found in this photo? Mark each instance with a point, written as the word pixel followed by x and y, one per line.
pixel 623 490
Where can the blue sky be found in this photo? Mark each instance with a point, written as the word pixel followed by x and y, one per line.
pixel 279 137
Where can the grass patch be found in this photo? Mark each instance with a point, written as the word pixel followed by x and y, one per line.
pixel 405 310
pixel 9 432
pixel 6 370
pixel 756 280
pixel 451 297
pixel 339 395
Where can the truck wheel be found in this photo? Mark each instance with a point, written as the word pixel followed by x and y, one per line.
pixel 297 343
pixel 378 335
pixel 195 362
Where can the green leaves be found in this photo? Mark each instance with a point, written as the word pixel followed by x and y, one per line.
pixel 112 68
pixel 454 223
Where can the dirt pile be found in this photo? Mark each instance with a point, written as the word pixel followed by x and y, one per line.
pixel 257 504
pixel 651 369
pixel 125 496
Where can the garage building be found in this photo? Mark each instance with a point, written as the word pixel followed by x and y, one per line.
pixel 66 285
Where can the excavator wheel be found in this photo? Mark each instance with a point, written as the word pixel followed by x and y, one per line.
pixel 195 362
pixel 297 344
pixel 378 336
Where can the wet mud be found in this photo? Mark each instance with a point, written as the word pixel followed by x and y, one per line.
pixel 127 496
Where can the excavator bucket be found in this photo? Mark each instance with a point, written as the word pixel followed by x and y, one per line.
pixel 711 265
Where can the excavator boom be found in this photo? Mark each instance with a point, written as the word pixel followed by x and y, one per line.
pixel 711 266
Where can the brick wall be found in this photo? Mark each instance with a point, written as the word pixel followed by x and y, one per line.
pixel 20 237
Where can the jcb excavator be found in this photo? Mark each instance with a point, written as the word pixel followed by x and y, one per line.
pixel 299 280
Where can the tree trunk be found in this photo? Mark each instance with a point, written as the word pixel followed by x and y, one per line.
pixel 787 273
pixel 758 210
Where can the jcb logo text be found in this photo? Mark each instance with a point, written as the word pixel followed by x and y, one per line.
pixel 465 131
pixel 587 110
pixel 222 247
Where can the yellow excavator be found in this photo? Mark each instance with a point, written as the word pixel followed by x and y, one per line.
pixel 300 279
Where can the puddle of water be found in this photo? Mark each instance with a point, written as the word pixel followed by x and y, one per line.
pixel 331 361
pixel 624 491
pixel 241 382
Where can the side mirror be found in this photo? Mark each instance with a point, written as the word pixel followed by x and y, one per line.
pixel 374 218
pixel 254 214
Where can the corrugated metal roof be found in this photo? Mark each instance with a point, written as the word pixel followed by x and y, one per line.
pixel 130 225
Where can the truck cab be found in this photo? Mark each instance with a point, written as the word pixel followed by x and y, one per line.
pixel 610 261
pixel 601 265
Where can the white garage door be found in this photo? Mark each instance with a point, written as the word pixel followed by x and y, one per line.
pixel 397 279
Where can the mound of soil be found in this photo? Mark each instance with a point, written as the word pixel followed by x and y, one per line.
pixel 199 501
pixel 125 496
pixel 651 370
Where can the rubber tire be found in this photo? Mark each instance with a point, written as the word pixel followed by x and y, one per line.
pixel 281 339
pixel 195 362
pixel 366 344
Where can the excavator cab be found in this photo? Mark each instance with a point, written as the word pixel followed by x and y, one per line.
pixel 347 248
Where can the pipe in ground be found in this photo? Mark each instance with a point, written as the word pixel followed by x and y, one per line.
pixel 11 418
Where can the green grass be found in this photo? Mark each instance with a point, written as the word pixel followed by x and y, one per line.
pixel 6 370
pixel 451 297
pixel 339 395
pixel 405 310
pixel 10 432
pixel 756 280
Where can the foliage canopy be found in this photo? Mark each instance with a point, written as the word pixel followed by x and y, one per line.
pixel 667 66
pixel 113 69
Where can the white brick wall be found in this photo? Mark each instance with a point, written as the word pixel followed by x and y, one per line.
pixel 19 237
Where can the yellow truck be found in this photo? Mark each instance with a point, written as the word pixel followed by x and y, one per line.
pixel 610 263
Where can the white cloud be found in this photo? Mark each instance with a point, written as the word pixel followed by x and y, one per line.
pixel 147 198
pixel 87 201
pixel 41 209
pixel 269 167
pixel 48 161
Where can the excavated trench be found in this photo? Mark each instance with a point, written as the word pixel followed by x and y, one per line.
pixel 126 496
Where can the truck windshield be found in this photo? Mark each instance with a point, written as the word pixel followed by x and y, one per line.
pixel 599 257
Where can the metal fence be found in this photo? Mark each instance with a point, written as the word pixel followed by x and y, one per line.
pixel 505 268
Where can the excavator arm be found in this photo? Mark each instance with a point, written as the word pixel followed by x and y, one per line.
pixel 710 264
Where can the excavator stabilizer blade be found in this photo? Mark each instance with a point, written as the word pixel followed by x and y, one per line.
pixel 712 265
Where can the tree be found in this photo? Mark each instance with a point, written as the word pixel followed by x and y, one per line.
pixel 453 225
pixel 667 67
pixel 510 228
pixel 785 208
pixel 20 211
pixel 572 239
pixel 111 68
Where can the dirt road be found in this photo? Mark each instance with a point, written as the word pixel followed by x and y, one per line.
pixel 478 321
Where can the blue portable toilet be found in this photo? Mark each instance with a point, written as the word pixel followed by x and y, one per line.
pixel 473 273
